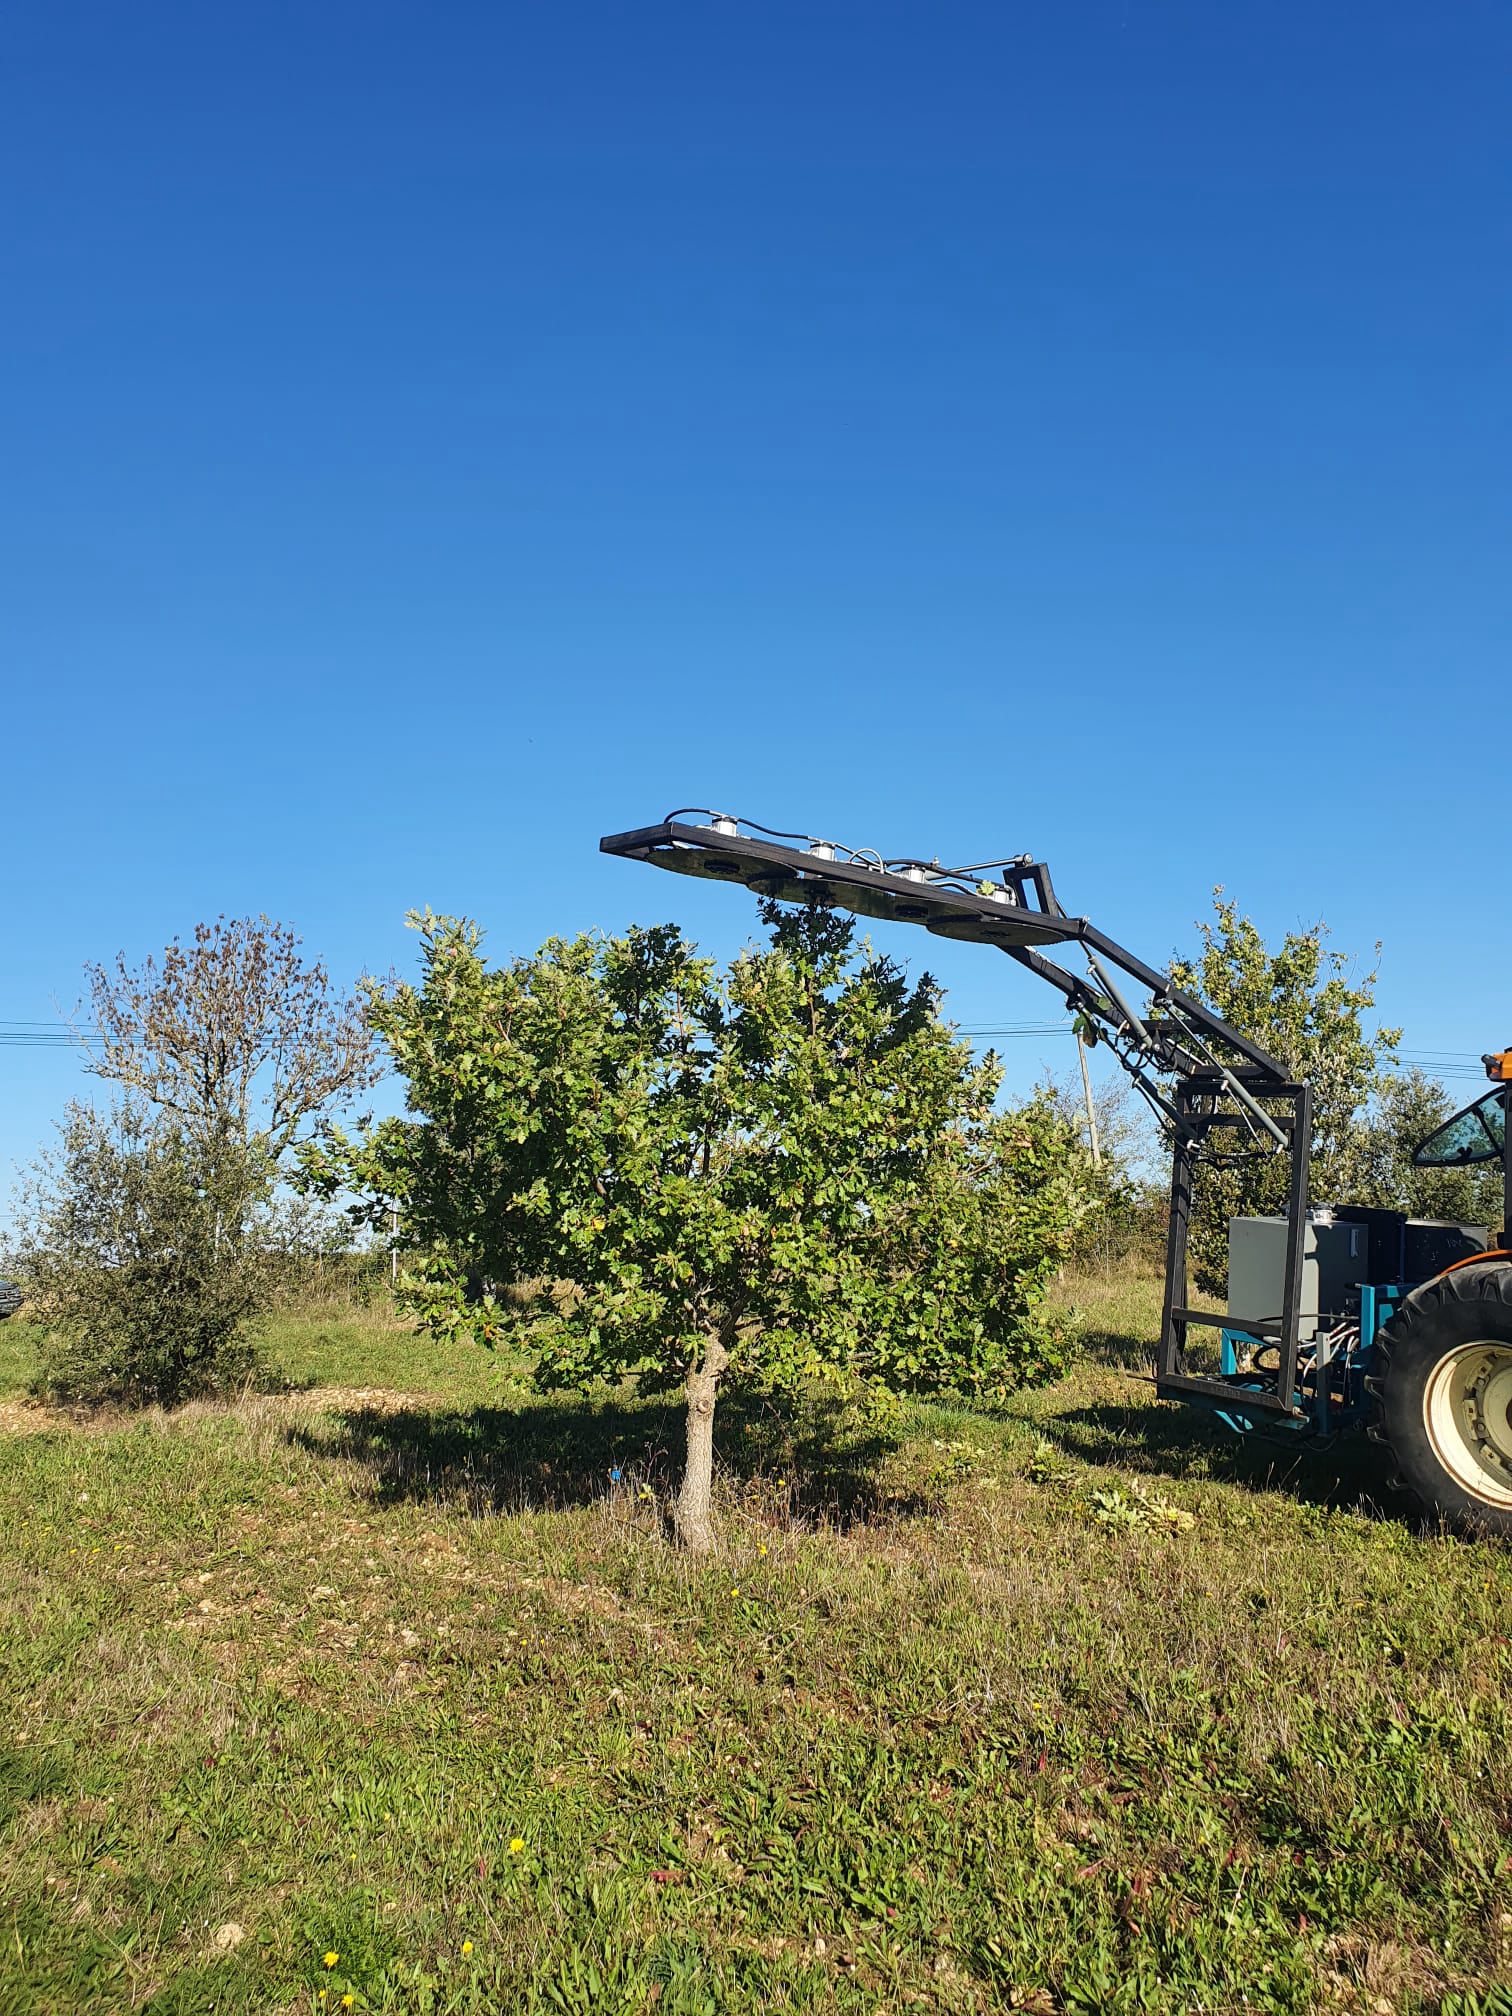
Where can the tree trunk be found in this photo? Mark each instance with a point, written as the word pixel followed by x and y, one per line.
pixel 692 1512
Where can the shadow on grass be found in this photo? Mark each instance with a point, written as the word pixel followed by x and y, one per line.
pixel 1115 1349
pixel 1166 1439
pixel 1169 1439
pixel 818 1461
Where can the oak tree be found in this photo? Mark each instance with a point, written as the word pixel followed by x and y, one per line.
pixel 1306 1006
pixel 790 1171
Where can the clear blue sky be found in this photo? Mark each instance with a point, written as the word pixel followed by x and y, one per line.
pixel 436 436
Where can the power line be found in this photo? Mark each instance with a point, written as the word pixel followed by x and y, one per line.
pixel 44 1035
pixel 1461 1064
pixel 1022 1029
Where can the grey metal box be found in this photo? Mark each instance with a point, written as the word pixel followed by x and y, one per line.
pixel 1334 1262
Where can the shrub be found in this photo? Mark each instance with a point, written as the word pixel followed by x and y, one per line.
pixel 133 1245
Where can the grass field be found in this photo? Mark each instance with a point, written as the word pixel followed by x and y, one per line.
pixel 387 1695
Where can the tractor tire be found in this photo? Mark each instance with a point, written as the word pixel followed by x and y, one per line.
pixel 1443 1388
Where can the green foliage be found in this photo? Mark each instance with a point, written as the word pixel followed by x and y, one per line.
pixel 1302 1003
pixel 306 1252
pixel 1128 1204
pixel 952 1273
pixel 131 1242
pixel 796 1160
pixel 1495 2002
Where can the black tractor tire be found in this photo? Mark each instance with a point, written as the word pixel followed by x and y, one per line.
pixel 1442 1382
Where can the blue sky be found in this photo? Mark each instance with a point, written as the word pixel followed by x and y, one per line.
pixel 434 437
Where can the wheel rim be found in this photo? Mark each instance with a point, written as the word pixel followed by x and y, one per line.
pixel 1467 1411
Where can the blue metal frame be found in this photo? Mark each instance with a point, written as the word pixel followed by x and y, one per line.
pixel 1330 1395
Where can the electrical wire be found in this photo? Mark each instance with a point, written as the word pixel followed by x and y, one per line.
pixel 863 856
pixel 43 1035
pixel 1020 1029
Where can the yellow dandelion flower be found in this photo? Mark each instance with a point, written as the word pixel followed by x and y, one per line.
pixel 467 1945
pixel 517 1846
pixel 761 1550
pixel 349 2001
pixel 329 1959
pixel 734 1592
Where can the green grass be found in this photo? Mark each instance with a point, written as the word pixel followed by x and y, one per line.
pixel 337 1345
pixel 1081 1708
pixel 19 1345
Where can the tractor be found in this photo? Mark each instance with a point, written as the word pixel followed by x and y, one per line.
pixel 1339 1316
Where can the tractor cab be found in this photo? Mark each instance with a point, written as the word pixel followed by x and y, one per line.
pixel 1478 1134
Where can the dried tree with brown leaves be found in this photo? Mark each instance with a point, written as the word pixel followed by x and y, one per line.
pixel 235 1036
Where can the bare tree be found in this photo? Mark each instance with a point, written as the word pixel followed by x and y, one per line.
pixel 235 1036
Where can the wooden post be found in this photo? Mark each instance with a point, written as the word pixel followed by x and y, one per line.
pixel 1081 1051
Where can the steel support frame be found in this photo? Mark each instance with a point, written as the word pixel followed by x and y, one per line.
pixel 1193 1097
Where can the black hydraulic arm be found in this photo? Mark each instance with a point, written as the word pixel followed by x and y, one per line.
pixel 1010 904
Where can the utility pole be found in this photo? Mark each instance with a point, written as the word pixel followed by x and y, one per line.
pixel 1081 1052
